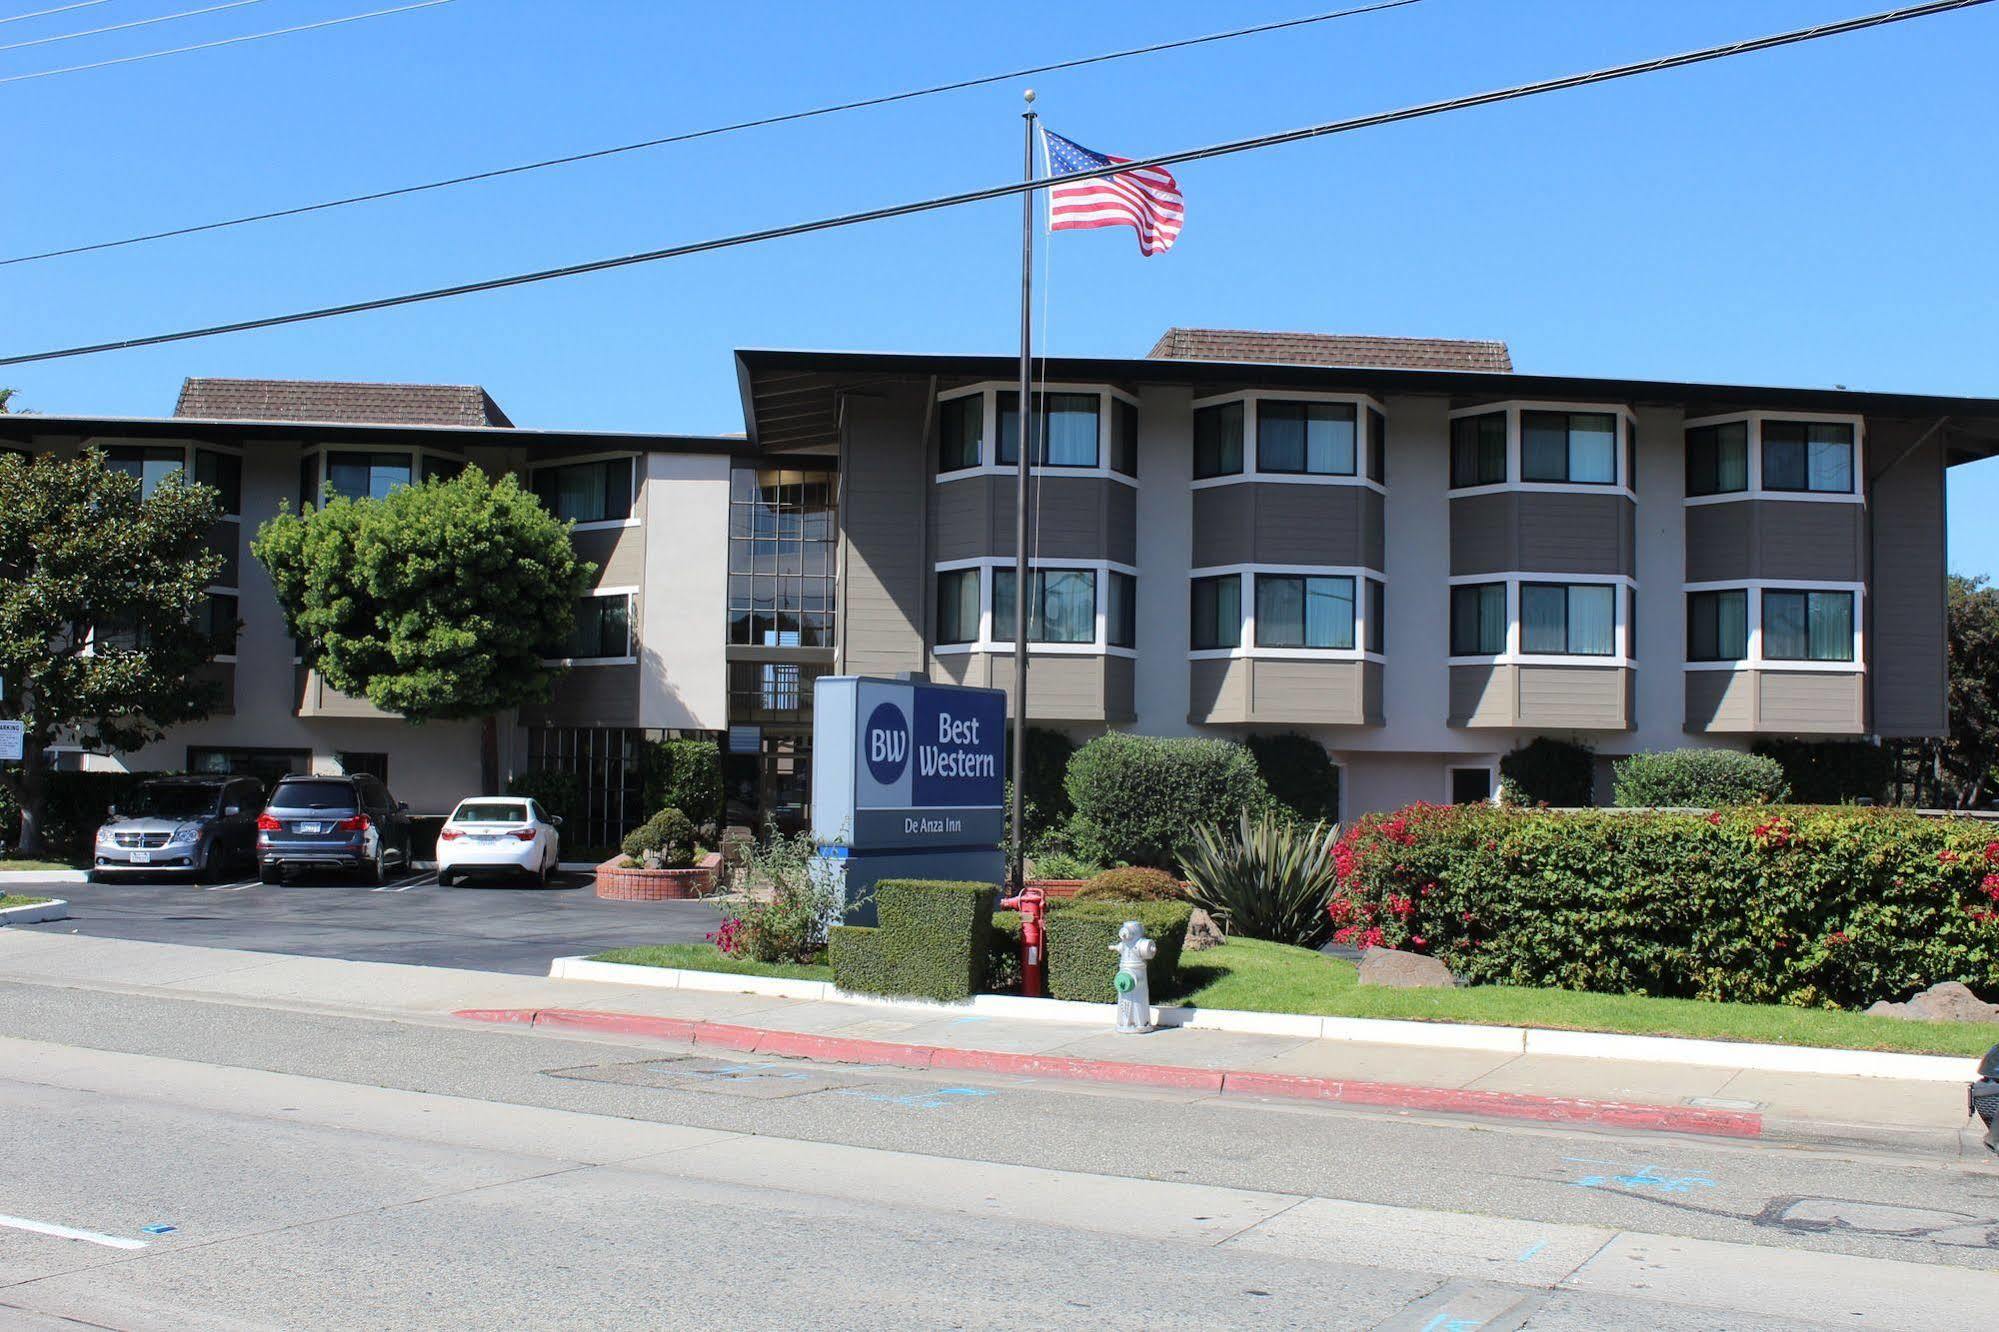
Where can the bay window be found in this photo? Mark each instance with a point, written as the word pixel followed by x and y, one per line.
pixel 149 465
pixel 586 492
pixel 224 473
pixel 1478 450
pixel 1377 447
pixel 1807 625
pixel 961 428
pixel 958 606
pixel 1718 625
pixel 1304 610
pixel 1718 458
pixel 1578 447
pixel 367 475
pixel 1068 430
pixel 1308 438
pixel 1121 610
pixel 603 628
pixel 1478 619
pixel 1061 605
pixel 1568 619
pixel 1215 613
pixel 1218 440
pixel 1809 456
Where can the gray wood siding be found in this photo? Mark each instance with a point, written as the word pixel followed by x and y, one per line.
pixel 1060 688
pixel 1776 539
pixel 1769 702
pixel 1287 523
pixel 1720 542
pixel 1721 701
pixel 618 552
pixel 590 696
pixel 885 469
pixel 1567 698
pixel 1905 606
pixel 1540 532
pixel 1218 689
pixel 1270 690
pixel 1078 517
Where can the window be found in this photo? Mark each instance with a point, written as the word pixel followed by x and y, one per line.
pixel 1218 440
pixel 1478 450
pixel 958 606
pixel 1067 434
pixel 148 465
pixel 308 481
pixel 1577 447
pixel 1061 605
pixel 1478 619
pixel 1718 625
pixel 1377 447
pixel 1471 786
pixel 1311 438
pixel 223 471
pixel 437 467
pixel 961 424
pixel 1568 619
pixel 1718 458
pixel 1294 610
pixel 220 621
pixel 367 475
pixel 1377 617
pixel 783 555
pixel 1808 456
pixel 1124 437
pixel 603 628
pixel 359 764
pixel 267 765
pixel 591 492
pixel 1121 611
pixel 1807 626
pixel 1216 613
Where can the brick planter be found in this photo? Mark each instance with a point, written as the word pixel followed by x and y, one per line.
pixel 1053 889
pixel 622 884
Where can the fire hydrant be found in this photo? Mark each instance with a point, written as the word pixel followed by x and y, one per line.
pixel 1032 904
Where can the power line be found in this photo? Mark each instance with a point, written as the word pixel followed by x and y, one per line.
pixel 226 41
pixel 1562 83
pixel 135 23
pixel 690 135
pixel 44 13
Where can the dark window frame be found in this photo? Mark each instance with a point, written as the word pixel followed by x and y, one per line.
pixel 1704 458
pixel 1472 440
pixel 1043 399
pixel 1227 629
pixel 1568 648
pixel 1807 595
pixel 331 457
pixel 1275 409
pixel 1705 605
pixel 964 405
pixel 1305 581
pixel 1568 418
pixel 949 637
pixel 1220 447
pixel 569 651
pixel 1037 614
pixel 1476 649
pixel 1804 446
pixel 229 484
pixel 544 482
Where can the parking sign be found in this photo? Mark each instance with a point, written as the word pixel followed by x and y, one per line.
pixel 12 734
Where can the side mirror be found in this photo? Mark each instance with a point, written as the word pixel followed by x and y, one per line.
pixel 111 811
pixel 231 811
pixel 555 820
pixel 402 807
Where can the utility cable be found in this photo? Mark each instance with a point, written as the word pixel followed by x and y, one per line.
pixel 226 41
pixel 708 133
pixel 135 23
pixel 44 13
pixel 1791 38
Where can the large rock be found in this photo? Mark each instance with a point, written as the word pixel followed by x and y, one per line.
pixel 1404 971
pixel 1202 932
pixel 1946 1001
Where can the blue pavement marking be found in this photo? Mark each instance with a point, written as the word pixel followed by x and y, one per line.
pixel 934 1100
pixel 1644 1177
pixel 1531 1250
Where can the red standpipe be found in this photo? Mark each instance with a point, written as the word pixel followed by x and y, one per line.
pixel 1032 906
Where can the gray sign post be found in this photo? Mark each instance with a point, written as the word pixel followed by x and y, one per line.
pixel 908 782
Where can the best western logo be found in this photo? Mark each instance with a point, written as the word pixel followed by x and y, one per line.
pixel 885 744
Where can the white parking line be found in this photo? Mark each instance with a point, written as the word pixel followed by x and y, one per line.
pixel 232 887
pixel 405 885
pixel 70 1232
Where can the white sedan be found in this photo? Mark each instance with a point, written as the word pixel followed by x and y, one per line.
pixel 496 835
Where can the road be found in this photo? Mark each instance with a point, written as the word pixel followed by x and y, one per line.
pixel 483 927
pixel 355 1170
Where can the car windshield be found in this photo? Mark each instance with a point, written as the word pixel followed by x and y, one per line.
pixel 169 802
pixel 313 795
pixel 491 811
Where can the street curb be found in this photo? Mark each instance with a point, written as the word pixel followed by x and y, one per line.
pixel 1739 1055
pixel 854 1050
pixel 53 909
pixel 43 876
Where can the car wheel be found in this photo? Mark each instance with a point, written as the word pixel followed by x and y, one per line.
pixel 373 873
pixel 270 874
pixel 445 878
pixel 214 864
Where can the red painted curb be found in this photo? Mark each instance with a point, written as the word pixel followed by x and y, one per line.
pixel 853 1050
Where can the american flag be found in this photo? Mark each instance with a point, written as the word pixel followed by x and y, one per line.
pixel 1147 201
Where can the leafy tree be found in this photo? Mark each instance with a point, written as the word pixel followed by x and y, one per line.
pixel 102 618
pixel 1963 761
pixel 436 602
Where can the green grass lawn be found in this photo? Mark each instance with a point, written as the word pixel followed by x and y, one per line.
pixel 15 899
pixel 707 957
pixel 1276 978
pixel 17 864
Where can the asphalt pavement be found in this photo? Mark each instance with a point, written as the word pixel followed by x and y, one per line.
pixel 479 926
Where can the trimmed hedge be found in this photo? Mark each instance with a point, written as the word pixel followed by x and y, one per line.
pixel 1081 965
pixel 1802 905
pixel 558 793
pixel 685 775
pixel 1046 804
pixel 1832 772
pixel 1547 771
pixel 1300 775
pixel 1137 796
pixel 76 805
pixel 934 941
pixel 1003 953
pixel 1697 779
pixel 1131 883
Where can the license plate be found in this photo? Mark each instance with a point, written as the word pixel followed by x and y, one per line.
pixel 309 827
pixel 142 857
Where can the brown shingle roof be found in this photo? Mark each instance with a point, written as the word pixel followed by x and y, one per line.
pixel 1230 344
pixel 329 400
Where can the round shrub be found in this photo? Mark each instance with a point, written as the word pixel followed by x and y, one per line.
pixel 664 841
pixel 1300 775
pixel 1132 883
pixel 1698 779
pixel 1546 771
pixel 1137 797
pixel 685 775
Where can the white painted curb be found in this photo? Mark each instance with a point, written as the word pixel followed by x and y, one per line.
pixel 53 909
pixel 43 876
pixel 1374 1031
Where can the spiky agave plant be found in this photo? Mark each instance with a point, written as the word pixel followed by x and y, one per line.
pixel 1268 879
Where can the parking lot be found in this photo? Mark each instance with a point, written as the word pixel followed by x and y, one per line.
pixel 479 926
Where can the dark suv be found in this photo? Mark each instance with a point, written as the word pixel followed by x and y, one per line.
pixel 349 823
pixel 202 826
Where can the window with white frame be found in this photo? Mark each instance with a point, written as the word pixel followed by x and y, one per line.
pixel 148 464
pixel 1061 605
pixel 603 628
pixel 1085 607
pixel 1718 624
pixel 1080 429
pixel 1807 625
pixel 598 490
pixel 958 606
pixel 1280 437
pixel 1305 611
pixel 1568 619
pixel 1283 612
pixel 1541 617
pixel 1543 446
pixel 1215 613
pixel 1781 624
pixel 1478 620
pixel 1775 455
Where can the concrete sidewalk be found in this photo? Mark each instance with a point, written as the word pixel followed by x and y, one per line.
pixel 1923 1117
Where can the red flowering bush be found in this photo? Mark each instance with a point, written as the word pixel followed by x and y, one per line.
pixel 1835 906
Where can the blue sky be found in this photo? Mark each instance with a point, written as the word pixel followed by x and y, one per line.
pixel 1814 216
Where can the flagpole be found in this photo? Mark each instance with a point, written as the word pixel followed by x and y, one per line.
pixel 1025 417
